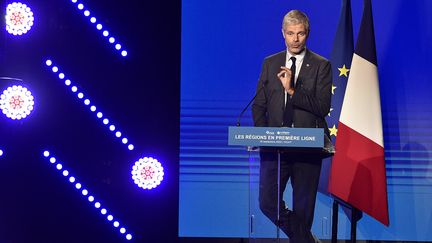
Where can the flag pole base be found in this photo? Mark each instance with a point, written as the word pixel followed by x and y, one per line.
pixel 355 217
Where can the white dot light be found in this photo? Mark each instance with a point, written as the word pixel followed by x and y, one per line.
pixel 19 18
pixel 87 102
pixel 52 160
pixel 16 102
pixel 54 69
pixel 147 173
pixel 48 63
pixel 1 152
pixel 99 26
pixel 85 193
pixel 129 237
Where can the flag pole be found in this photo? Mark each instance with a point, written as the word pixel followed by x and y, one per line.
pixel 341 58
pixel 355 216
pixel 358 173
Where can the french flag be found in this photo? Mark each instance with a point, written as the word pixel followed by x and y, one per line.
pixel 358 174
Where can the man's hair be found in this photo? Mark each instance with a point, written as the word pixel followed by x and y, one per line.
pixel 295 17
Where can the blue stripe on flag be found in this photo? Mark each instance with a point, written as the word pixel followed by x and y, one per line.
pixel 365 46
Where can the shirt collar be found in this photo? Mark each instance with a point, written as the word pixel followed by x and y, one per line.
pixel 299 57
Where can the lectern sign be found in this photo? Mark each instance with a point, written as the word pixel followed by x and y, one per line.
pixel 276 136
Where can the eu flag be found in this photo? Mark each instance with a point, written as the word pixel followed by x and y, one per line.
pixel 341 57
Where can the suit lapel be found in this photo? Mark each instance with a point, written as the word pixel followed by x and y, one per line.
pixel 281 59
pixel 278 61
pixel 305 68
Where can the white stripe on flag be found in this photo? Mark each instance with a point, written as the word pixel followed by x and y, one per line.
pixel 361 108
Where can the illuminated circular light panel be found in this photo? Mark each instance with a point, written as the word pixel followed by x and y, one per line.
pixel 88 14
pixel 1 153
pixel 147 173
pixel 80 95
pixel 16 102
pixel 84 192
pixel 19 18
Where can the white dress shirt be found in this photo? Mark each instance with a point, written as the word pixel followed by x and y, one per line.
pixel 299 62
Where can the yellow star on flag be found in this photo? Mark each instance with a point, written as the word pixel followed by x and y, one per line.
pixel 333 131
pixel 343 71
pixel 333 88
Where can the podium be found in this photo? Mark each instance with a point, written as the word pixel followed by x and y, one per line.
pixel 296 141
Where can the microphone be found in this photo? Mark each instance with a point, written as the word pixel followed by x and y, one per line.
pixel 264 83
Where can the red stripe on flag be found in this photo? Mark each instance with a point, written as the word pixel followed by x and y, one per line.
pixel 358 173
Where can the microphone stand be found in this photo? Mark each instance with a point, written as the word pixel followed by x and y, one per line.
pixel 264 83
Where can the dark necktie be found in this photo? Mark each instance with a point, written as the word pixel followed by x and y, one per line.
pixel 289 111
pixel 293 71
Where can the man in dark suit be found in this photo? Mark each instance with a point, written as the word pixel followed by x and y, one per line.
pixel 294 90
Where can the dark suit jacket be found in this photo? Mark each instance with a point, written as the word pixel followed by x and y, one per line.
pixel 312 97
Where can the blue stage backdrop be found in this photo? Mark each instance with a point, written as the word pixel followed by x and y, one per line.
pixel 223 45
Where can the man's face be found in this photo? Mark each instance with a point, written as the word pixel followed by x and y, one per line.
pixel 295 38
